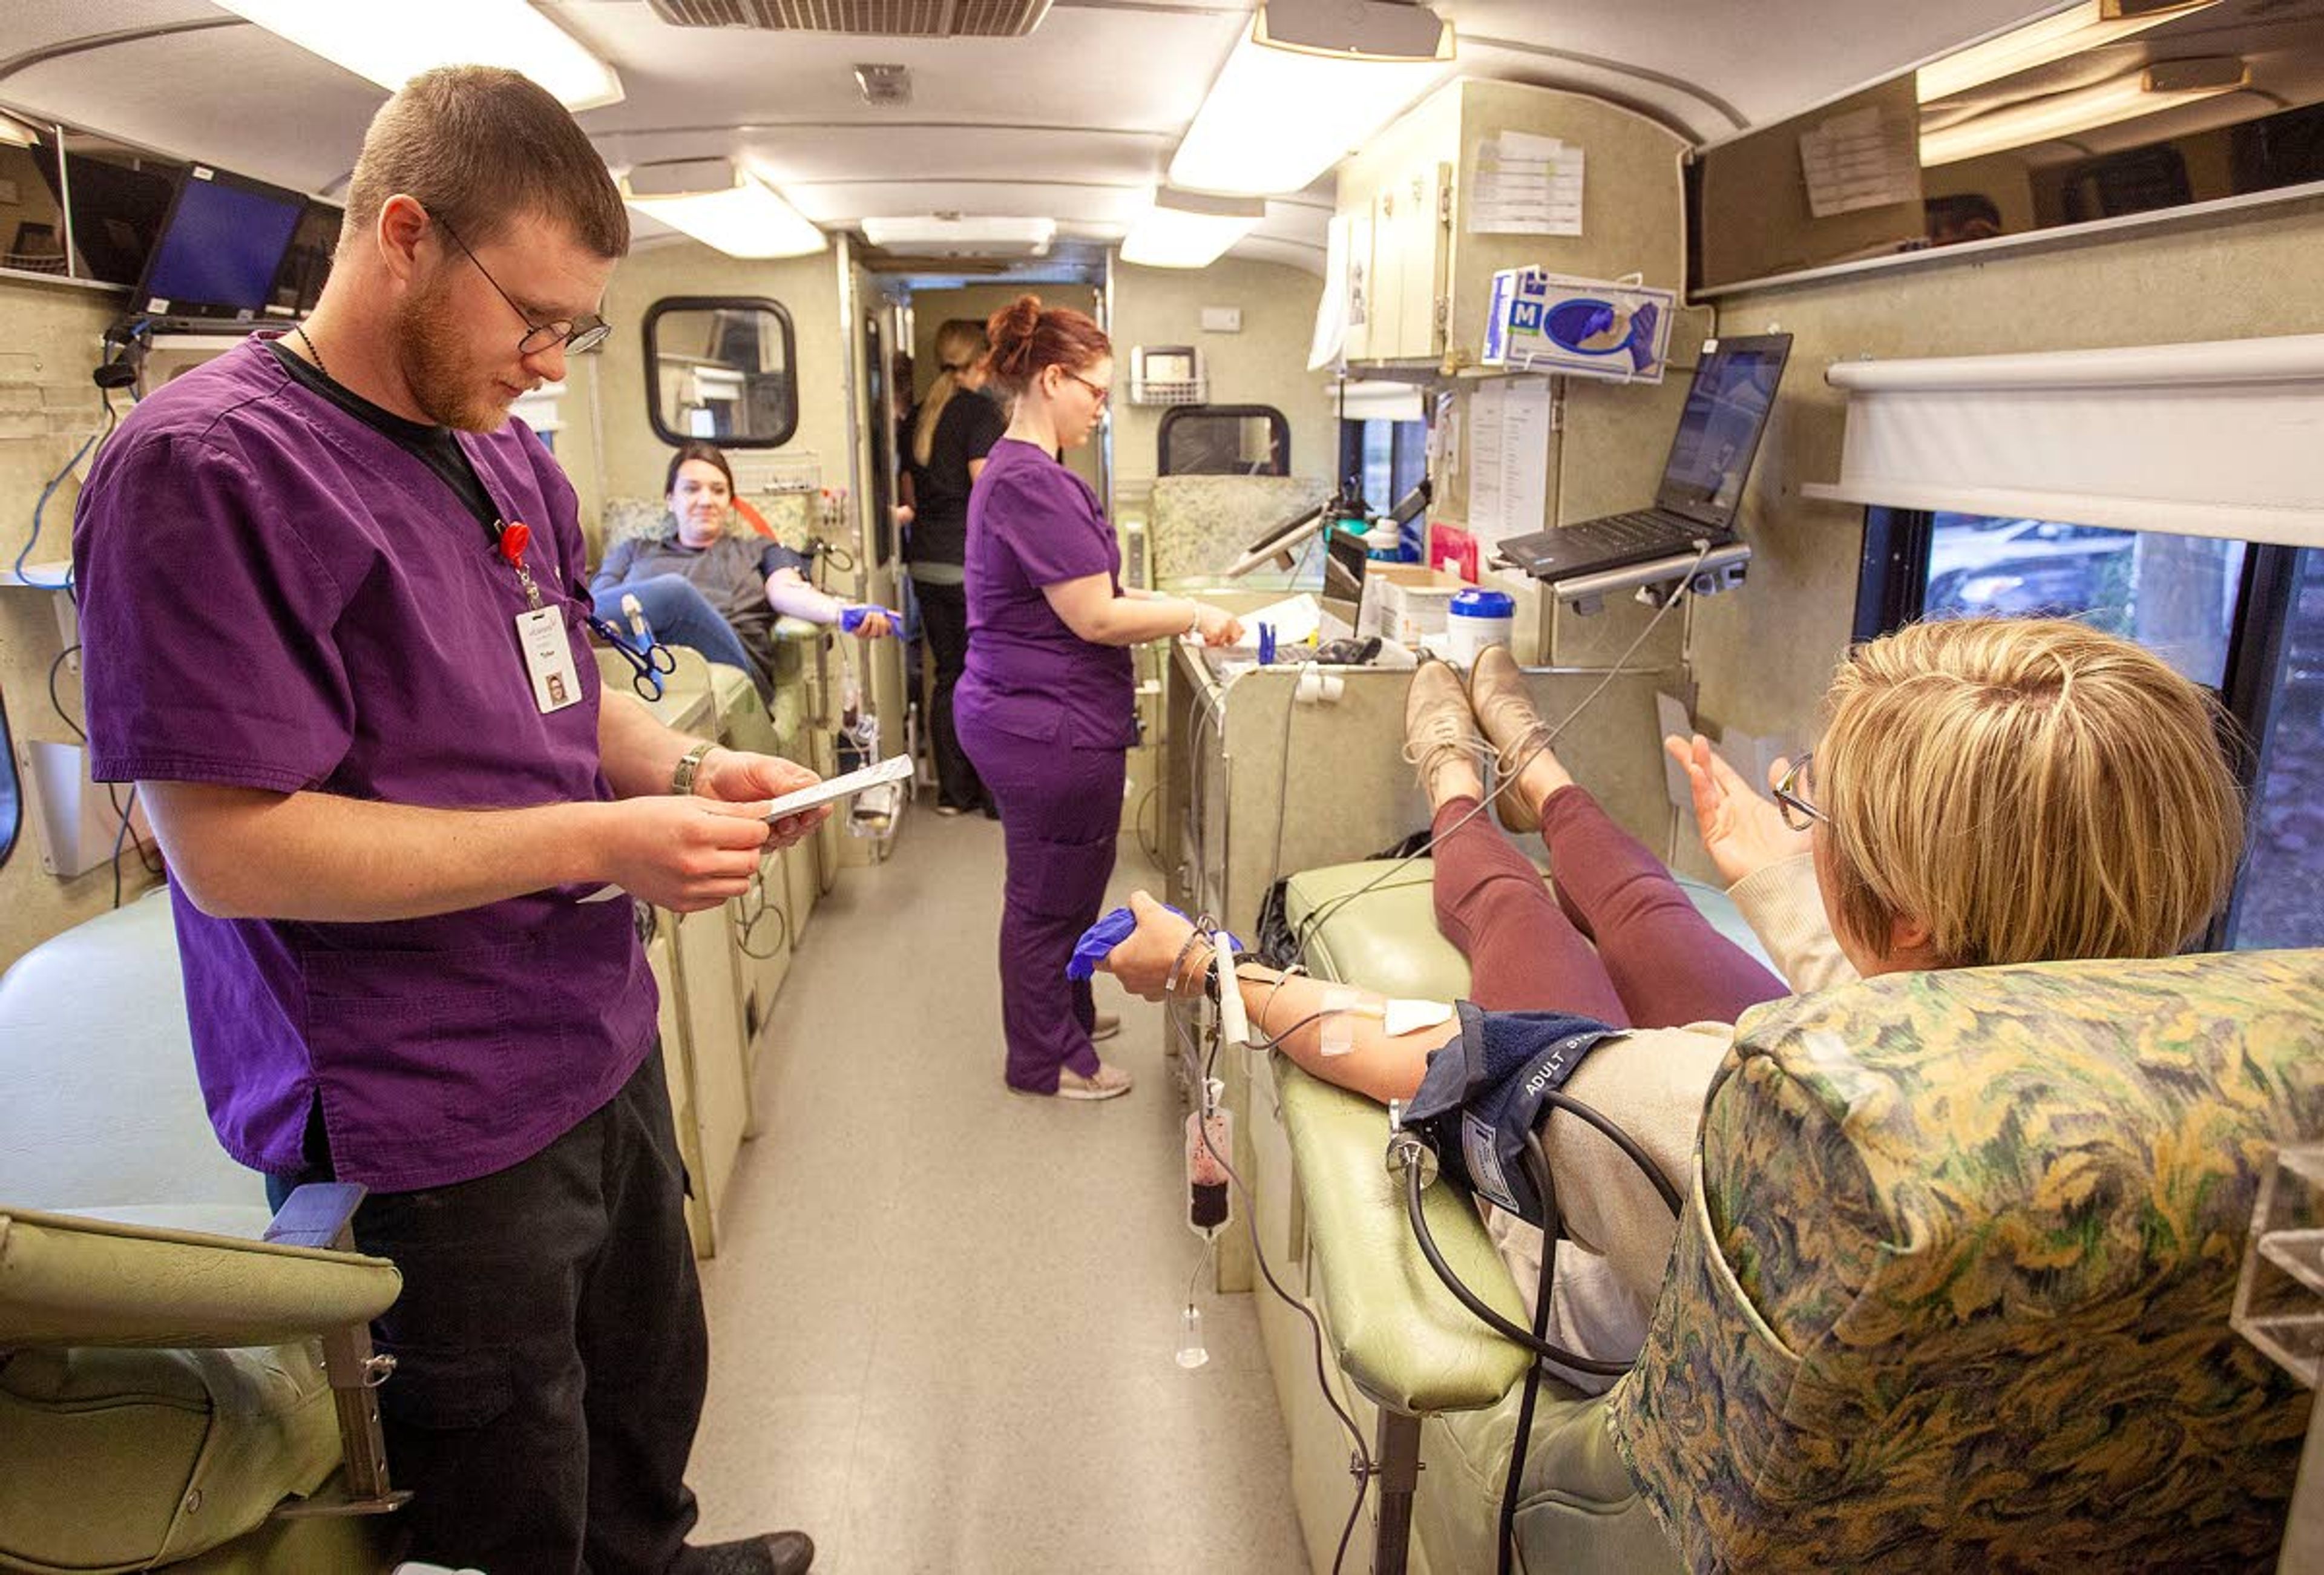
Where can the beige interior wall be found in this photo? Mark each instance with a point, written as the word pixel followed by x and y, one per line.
pixel 1266 363
pixel 50 345
pixel 1763 654
pixel 630 460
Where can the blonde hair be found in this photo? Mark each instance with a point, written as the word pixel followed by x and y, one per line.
pixel 960 344
pixel 2029 790
pixel 482 148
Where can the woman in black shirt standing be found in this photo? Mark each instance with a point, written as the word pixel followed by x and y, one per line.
pixel 958 424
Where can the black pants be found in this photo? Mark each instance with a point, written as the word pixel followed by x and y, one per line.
pixel 944 619
pixel 551 1356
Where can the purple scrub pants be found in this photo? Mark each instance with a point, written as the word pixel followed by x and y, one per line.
pixel 1060 811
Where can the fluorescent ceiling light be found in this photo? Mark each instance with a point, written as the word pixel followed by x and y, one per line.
pixel 393 44
pixel 18 133
pixel 2165 85
pixel 2070 33
pixel 1186 229
pixel 962 236
pixel 1276 119
pixel 1354 30
pixel 746 219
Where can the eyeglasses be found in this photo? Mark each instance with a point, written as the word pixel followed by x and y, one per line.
pixel 579 336
pixel 1102 392
pixel 1797 812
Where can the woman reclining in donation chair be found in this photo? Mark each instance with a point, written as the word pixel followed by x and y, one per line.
pixel 1985 792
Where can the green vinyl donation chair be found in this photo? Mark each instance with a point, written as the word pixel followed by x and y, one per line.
pixel 1950 1290
pixel 185 1382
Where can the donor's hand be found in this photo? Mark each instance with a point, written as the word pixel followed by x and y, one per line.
pixel 1742 832
pixel 736 777
pixel 1143 962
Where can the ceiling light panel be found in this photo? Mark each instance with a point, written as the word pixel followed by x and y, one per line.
pixel 1189 229
pixel 1275 119
pixel 2166 85
pixel 747 219
pixel 2070 33
pixel 392 45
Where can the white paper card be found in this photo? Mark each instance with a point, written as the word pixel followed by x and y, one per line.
pixel 1526 185
pixel 547 659
pixel 1863 159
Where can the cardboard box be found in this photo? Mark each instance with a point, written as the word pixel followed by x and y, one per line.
pixel 1405 603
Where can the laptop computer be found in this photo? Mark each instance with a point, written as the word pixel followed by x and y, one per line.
pixel 1711 457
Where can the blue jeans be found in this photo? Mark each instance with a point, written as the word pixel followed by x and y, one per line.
pixel 680 615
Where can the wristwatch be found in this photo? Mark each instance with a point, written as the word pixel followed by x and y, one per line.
pixel 689 764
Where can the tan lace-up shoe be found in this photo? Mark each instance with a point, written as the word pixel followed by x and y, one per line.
pixel 1438 730
pixel 1110 1083
pixel 1504 709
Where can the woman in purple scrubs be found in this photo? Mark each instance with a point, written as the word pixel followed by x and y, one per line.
pixel 1045 707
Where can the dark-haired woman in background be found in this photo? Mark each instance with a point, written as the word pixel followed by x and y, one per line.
pixel 1046 707
pixel 956 428
pixel 749 580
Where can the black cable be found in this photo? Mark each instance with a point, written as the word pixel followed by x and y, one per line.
pixel 1543 1292
pixel 1315 1328
pixel 55 702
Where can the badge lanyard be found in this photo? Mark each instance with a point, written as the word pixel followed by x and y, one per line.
pixel 540 631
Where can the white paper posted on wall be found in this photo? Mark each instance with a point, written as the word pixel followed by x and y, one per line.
pixel 1526 185
pixel 1864 158
pixel 1509 458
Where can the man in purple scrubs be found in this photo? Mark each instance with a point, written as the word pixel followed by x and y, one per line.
pixel 332 604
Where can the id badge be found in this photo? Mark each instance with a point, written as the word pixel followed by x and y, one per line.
pixel 547 659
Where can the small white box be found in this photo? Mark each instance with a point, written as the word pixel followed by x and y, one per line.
pixel 1406 603
pixel 1223 319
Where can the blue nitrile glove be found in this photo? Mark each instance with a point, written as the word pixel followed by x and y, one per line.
pixel 1100 938
pixel 851 619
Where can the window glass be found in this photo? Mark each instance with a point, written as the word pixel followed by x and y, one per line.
pixel 1224 441
pixel 2174 594
pixel 1384 459
pixel 721 368
pixel 2281 899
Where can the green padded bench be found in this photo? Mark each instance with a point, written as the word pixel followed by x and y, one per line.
pixel 1398 1335
pixel 1868 1350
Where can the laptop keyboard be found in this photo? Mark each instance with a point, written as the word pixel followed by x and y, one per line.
pixel 1621 535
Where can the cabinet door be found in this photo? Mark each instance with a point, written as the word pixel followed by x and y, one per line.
pixel 1412 229
pixel 1389 264
pixel 1363 301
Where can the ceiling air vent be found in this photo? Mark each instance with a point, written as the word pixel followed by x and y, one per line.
pixel 870 18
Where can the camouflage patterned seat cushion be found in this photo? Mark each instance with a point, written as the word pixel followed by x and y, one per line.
pixel 1953 1292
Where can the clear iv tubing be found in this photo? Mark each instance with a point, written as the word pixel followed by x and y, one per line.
pixel 1685 593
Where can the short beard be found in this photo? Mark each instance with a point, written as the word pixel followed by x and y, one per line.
pixel 434 358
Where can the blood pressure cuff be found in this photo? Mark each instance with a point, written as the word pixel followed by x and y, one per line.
pixel 1484 1091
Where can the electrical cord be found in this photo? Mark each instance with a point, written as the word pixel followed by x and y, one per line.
pixel 55 702
pixel 757 891
pixel 40 508
pixel 1309 925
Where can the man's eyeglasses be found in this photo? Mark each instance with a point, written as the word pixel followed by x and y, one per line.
pixel 579 336
pixel 1102 391
pixel 1797 812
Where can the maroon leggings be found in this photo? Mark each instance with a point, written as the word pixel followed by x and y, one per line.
pixel 1620 942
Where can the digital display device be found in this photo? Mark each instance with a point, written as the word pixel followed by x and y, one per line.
pixel 220 248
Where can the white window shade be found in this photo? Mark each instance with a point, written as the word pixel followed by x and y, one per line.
pixel 1376 402
pixel 2212 439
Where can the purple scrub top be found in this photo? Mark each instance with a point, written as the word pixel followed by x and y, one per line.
pixel 1032 522
pixel 274 595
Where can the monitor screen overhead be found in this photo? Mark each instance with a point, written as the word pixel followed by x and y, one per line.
pixel 220 249
pixel 1719 431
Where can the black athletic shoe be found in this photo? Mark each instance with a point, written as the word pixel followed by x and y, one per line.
pixel 786 1552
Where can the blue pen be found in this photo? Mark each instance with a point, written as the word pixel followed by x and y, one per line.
pixel 1266 644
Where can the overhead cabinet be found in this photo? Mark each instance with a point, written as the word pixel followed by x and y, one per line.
pixel 1419 268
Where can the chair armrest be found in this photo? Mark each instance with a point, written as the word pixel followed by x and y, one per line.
pixel 67 1281
pixel 1395 1330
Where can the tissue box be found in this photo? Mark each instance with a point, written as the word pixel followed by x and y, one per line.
pixel 1406 604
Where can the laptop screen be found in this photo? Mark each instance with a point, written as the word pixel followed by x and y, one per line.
pixel 1719 433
